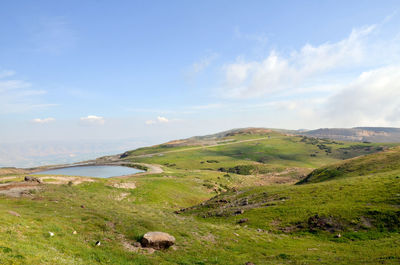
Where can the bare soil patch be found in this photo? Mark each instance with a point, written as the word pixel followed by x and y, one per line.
pixel 18 189
pixel 124 185
pixel 65 180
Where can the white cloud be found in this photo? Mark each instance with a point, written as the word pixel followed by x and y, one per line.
pixel 277 73
pixel 93 120
pixel 351 82
pixel 372 99
pixel 162 119
pixel 41 121
pixel 159 120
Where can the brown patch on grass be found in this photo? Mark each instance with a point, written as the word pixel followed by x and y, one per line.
pixel 65 180
pixel 134 246
pixel 24 188
pixel 122 196
pixel 14 213
pixel 18 189
pixel 124 185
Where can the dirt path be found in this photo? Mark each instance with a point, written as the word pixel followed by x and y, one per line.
pixel 152 169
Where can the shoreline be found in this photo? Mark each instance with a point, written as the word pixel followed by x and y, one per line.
pixel 146 168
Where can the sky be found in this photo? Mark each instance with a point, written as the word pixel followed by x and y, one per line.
pixel 153 71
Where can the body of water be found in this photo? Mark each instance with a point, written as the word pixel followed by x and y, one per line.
pixel 92 171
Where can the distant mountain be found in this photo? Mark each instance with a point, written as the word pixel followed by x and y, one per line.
pixel 357 134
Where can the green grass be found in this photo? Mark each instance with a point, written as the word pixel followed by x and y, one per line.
pixel 280 207
pixel 280 229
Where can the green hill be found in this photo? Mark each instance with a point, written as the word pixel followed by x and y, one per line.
pixel 251 151
pixel 381 162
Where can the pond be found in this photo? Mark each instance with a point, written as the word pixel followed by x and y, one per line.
pixel 92 171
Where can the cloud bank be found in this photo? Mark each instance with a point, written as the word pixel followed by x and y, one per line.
pixel 354 81
pixel 277 73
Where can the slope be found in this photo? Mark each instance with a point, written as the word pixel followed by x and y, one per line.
pixel 381 162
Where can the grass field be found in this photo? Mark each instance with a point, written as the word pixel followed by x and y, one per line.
pixel 218 214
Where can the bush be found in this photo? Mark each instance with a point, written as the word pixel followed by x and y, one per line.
pixel 140 167
pixel 241 169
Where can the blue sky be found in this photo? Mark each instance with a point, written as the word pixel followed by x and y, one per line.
pixel 159 70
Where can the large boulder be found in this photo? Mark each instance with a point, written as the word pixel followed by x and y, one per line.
pixel 157 240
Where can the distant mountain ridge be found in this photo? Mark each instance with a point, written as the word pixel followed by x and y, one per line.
pixel 356 134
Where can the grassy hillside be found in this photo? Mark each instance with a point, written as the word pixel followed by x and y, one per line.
pixel 217 217
pixel 360 204
pixel 388 160
pixel 364 211
pixel 255 153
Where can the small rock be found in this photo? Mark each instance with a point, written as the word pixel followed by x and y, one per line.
pixel 241 211
pixel 338 236
pixel 157 240
pixel 32 179
pixel 14 213
pixel 150 250
pixel 137 244
pixel 244 220
pixel 74 233
pixel 260 230
pixel 245 202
